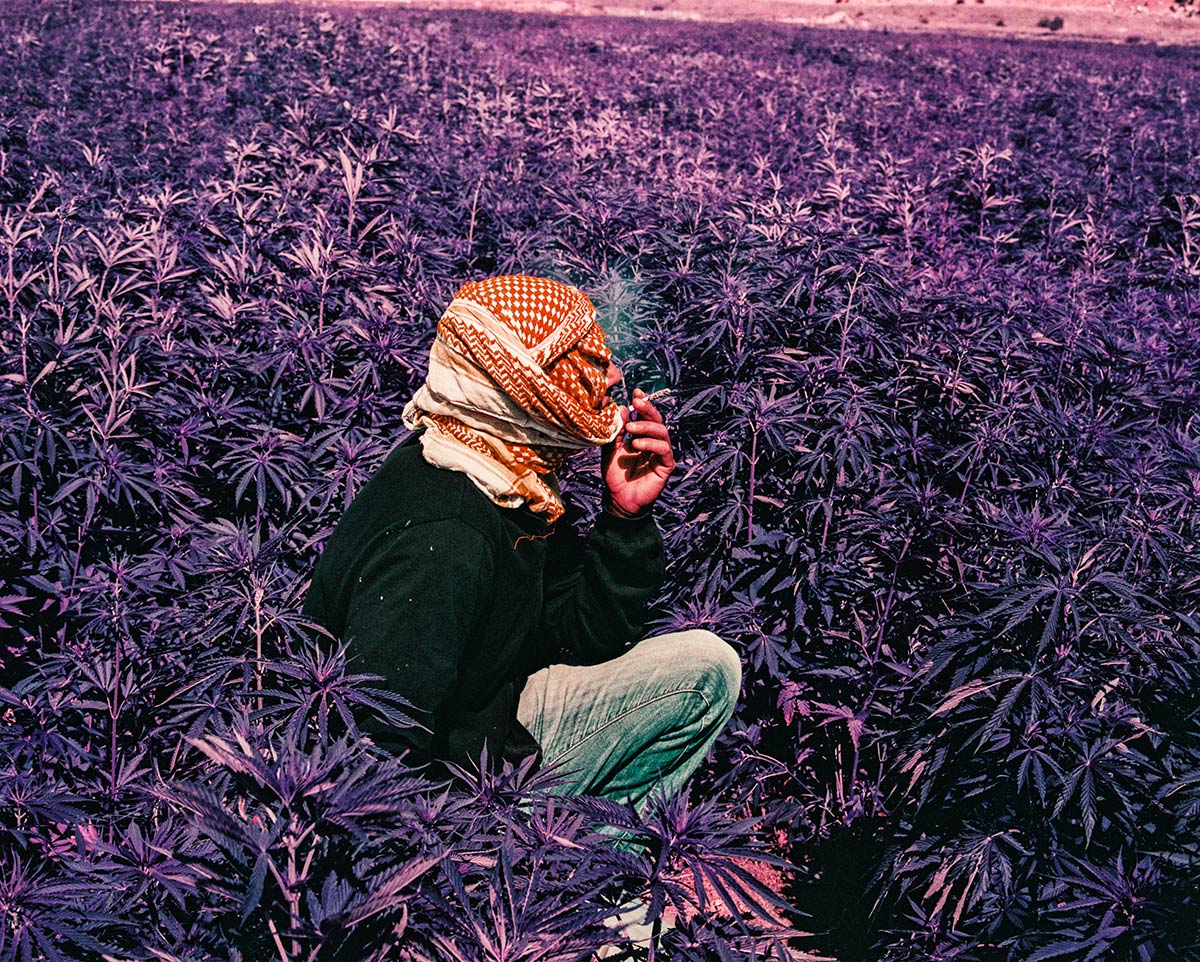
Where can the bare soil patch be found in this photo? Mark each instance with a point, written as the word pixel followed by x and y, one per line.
pixel 1160 22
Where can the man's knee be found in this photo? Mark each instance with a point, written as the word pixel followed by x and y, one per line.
pixel 719 668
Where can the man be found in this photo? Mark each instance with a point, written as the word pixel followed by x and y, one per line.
pixel 457 575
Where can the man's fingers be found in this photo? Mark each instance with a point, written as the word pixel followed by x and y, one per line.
pixel 649 434
pixel 646 409
pixel 647 428
pixel 653 446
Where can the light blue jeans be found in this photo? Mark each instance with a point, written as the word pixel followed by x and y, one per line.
pixel 647 718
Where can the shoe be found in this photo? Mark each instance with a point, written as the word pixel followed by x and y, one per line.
pixel 635 928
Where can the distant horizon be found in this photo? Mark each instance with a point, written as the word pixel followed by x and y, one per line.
pixel 1161 22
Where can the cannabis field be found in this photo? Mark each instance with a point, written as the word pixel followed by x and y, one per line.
pixel 930 313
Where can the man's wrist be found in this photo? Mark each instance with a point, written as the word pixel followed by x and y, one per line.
pixel 610 508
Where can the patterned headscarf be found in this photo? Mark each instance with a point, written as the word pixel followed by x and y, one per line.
pixel 516 372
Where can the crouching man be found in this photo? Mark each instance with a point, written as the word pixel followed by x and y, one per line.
pixel 458 576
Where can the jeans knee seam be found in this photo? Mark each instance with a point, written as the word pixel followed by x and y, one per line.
pixel 639 707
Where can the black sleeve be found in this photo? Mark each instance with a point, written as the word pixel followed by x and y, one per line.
pixel 416 598
pixel 596 591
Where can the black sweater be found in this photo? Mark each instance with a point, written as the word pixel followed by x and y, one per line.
pixel 454 601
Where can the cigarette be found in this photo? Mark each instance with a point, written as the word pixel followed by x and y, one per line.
pixel 657 395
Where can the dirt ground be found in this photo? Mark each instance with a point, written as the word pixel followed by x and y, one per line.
pixel 1111 21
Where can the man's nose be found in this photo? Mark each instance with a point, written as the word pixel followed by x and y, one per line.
pixel 614 375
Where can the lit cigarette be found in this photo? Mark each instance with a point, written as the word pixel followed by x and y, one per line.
pixel 664 393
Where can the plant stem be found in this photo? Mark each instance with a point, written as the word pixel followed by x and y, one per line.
pixel 828 512
pixel 474 211
pixel 278 942
pixel 258 644
pixel 846 322
pixel 887 604
pixel 292 897
pixel 750 498
pixel 114 710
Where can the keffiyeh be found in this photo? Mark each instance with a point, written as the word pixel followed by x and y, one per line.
pixel 516 375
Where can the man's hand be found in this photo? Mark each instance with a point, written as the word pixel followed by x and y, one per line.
pixel 636 466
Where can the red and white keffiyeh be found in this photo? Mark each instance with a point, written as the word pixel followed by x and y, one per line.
pixel 516 378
